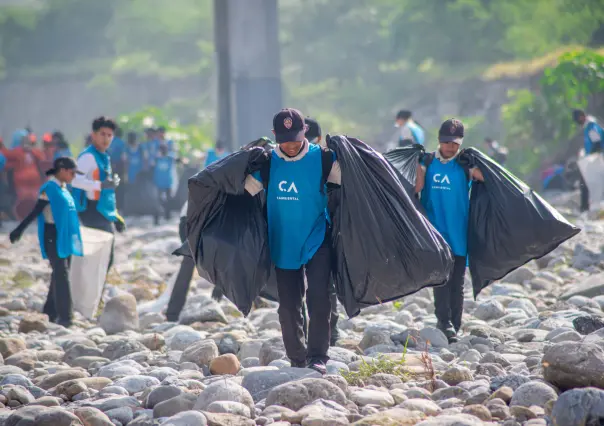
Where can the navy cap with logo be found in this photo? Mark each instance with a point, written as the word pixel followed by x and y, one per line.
pixel 289 126
pixel 451 130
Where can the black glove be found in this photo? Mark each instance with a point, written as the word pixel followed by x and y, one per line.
pixel 466 159
pixel 15 236
pixel 110 183
pixel 120 225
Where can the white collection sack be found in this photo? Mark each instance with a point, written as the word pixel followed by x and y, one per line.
pixel 592 170
pixel 158 305
pixel 88 273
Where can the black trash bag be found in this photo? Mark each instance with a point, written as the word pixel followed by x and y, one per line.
pixel 384 248
pixel 510 224
pixel 227 231
pixel 142 197
pixel 405 160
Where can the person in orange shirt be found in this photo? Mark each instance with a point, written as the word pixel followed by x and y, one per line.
pixel 24 161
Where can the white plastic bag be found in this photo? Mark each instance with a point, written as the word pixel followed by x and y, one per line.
pixel 592 170
pixel 158 305
pixel 88 273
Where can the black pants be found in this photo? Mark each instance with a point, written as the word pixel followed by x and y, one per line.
pixel 164 199
pixel 448 299
pixel 58 304
pixel 290 285
pixel 584 194
pixel 181 289
pixel 91 218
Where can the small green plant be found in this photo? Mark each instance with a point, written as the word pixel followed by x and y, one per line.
pixel 380 365
pixel 398 305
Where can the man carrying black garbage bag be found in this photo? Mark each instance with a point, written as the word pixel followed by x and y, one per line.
pixel 299 235
pixel 445 194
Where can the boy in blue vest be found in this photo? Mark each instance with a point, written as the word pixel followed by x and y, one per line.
pixel 411 132
pixel 58 235
pixel 163 177
pixel 299 235
pixel 94 190
pixel 134 158
pixel 592 143
pixel 445 194
pixel 218 153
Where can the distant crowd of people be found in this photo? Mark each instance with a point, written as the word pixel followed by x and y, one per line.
pixel 153 157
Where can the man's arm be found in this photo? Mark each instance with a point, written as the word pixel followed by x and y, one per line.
pixel 252 185
pixel 86 164
pixel 476 174
pixel 420 180
pixel 335 175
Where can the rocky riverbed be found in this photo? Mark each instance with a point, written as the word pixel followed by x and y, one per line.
pixel 531 352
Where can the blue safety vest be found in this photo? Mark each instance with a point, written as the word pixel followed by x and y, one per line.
pixel 163 172
pixel 212 156
pixel 135 162
pixel 446 199
pixel 65 215
pixel 296 209
pixel 106 204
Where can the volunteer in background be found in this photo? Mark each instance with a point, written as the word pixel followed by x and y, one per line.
pixel 184 277
pixel 134 158
pixel 61 144
pixel 445 194
pixel 116 153
pixel 218 153
pixel 163 177
pixel 299 235
pixel 592 143
pixel 496 151
pixel 411 132
pixel 94 190
pixel 3 186
pixel 58 235
pixel 314 135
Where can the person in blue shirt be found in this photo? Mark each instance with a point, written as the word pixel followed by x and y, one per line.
pixel 149 146
pixel 62 147
pixel 299 235
pixel 411 132
pixel 218 153
pixel 58 235
pixel 134 158
pixel 116 153
pixel 444 185
pixel 3 189
pixel 592 143
pixel 163 177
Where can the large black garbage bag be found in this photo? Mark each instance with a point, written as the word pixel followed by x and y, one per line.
pixel 405 160
pixel 227 231
pixel 384 248
pixel 142 197
pixel 510 224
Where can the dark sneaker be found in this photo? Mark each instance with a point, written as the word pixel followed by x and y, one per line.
pixel 449 332
pixel 318 366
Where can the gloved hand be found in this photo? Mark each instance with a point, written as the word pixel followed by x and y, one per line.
pixel 110 183
pixel 14 236
pixel 120 224
pixel 466 159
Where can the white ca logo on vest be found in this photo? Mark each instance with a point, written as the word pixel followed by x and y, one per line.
pixel 437 179
pixel 290 188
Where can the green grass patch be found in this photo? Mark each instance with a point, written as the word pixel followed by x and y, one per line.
pixel 380 365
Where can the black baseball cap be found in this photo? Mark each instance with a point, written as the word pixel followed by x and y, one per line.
pixel 289 126
pixel 63 163
pixel 451 130
pixel 313 129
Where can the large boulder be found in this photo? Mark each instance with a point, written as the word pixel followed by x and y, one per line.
pixel 579 407
pixel 224 390
pixel 119 314
pixel 260 383
pixel 11 345
pixel 295 395
pixel 570 365
pixel 272 350
pixel 200 353
pixel 533 393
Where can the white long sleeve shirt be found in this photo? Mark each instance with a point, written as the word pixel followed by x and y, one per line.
pixel 90 181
